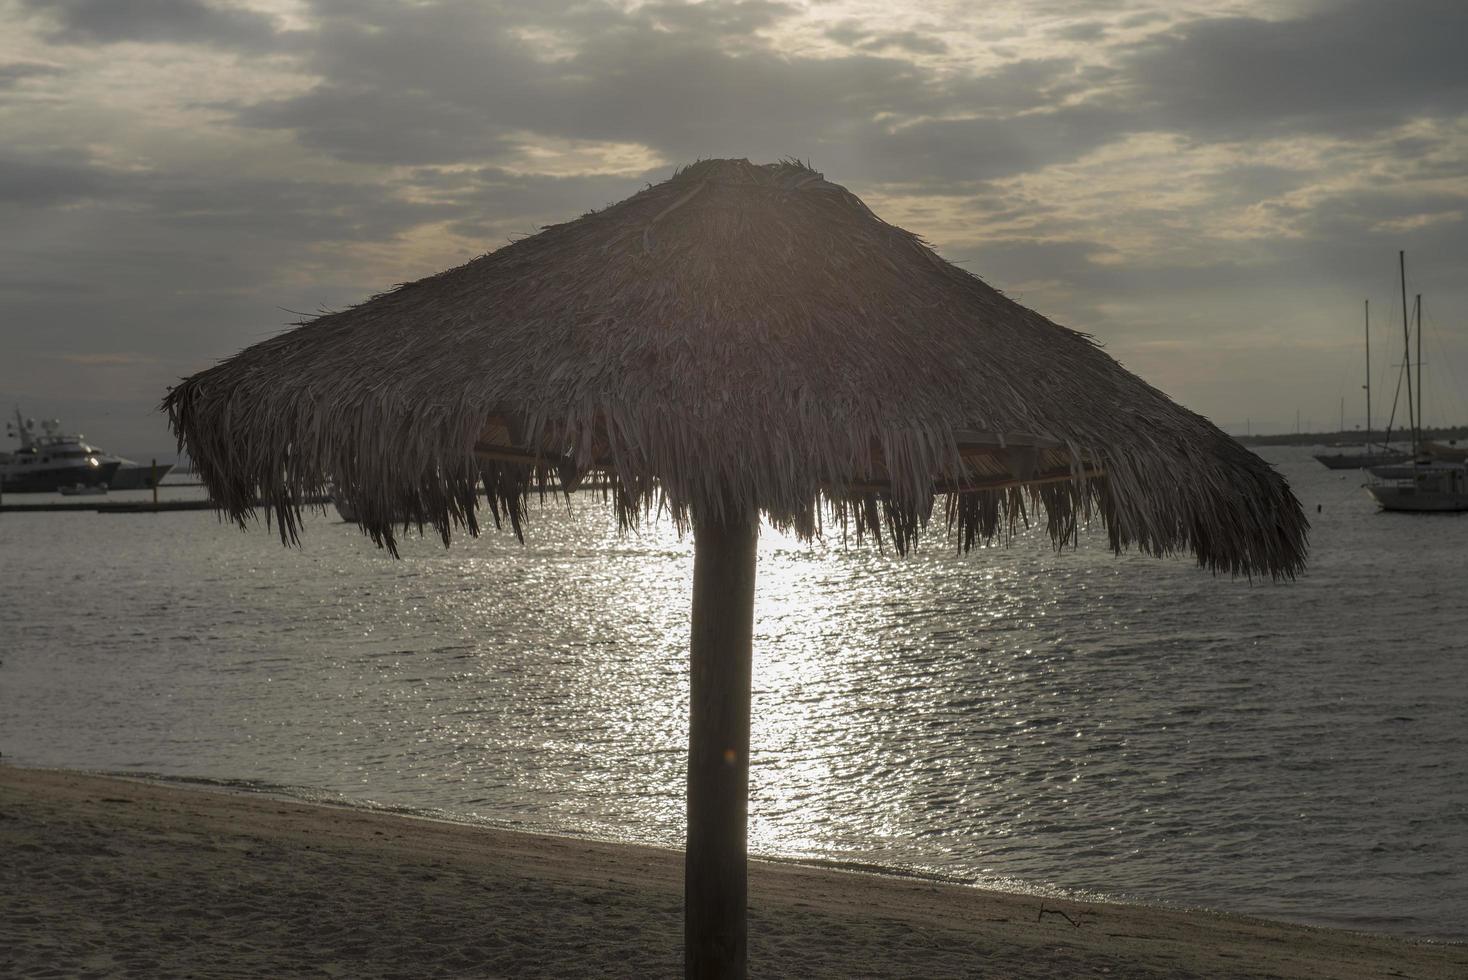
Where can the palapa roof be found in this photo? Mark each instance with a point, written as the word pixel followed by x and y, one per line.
pixel 741 338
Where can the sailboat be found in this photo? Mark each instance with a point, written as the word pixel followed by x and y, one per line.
pixel 1426 484
pixel 1379 456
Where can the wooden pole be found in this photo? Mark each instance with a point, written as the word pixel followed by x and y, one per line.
pixel 153 479
pixel 715 888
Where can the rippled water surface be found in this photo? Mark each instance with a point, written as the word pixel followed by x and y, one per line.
pixel 1126 726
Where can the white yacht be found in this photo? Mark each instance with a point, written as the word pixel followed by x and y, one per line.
pixel 50 459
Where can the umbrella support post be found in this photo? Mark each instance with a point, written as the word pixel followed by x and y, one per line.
pixel 715 888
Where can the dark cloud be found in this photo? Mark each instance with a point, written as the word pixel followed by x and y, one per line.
pixel 190 262
pixel 492 202
pixel 1092 30
pixel 59 178
pixel 628 78
pixel 1342 69
pixel 1251 183
pixel 1142 19
pixel 913 42
pixel 670 84
pixel 165 21
pixel 689 99
pixel 414 84
pixel 1010 262
pixel 1024 84
pixel 848 32
pixel 385 125
pixel 303 211
pixel 717 19
pixel 14 72
pixel 1392 215
pixel 989 147
pixel 855 34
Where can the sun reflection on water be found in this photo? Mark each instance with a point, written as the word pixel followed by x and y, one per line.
pixel 798 682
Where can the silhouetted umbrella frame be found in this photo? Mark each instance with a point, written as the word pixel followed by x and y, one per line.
pixel 734 343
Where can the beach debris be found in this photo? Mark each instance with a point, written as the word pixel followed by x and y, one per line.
pixel 1075 920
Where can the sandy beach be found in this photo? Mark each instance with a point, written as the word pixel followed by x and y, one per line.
pixel 108 877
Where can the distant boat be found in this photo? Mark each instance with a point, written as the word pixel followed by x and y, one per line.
pixel 46 463
pixel 1378 456
pixel 49 460
pixel 1426 484
pixel 1430 486
pixel 1370 456
pixel 344 508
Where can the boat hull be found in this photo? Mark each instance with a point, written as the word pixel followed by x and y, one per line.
pixel 1424 487
pixel 1359 461
pixel 344 508
pixel 138 476
pixel 50 479
pixel 1448 453
pixel 1419 501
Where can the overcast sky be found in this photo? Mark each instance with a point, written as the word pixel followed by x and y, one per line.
pixel 1210 189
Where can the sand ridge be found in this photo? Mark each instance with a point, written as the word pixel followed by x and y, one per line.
pixel 108 877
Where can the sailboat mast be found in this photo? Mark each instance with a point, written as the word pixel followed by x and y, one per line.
pixel 1407 348
pixel 1368 374
pixel 1421 419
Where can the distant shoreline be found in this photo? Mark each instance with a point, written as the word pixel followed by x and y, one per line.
pixel 1354 437
pixel 129 876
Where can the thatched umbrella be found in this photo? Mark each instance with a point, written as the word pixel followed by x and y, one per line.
pixel 737 342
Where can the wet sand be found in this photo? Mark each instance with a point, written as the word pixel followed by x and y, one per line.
pixel 106 877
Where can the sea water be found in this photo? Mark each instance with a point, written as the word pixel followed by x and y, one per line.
pixel 1017 717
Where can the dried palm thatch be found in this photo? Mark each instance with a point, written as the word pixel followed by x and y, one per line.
pixel 738 338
